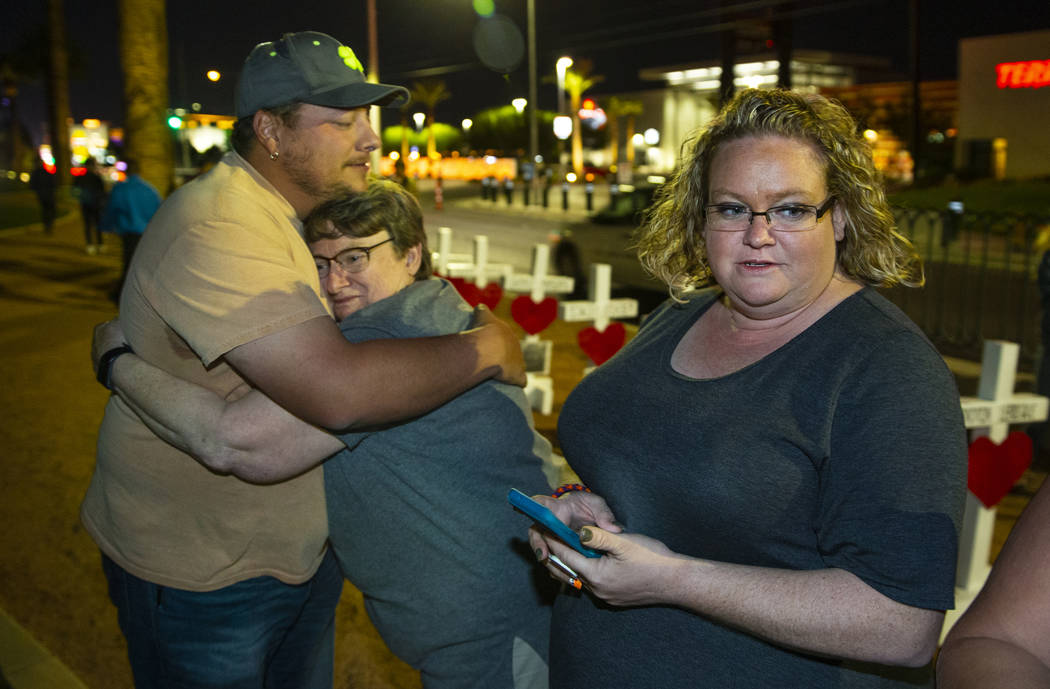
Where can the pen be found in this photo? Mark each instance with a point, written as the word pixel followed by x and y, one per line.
pixel 574 578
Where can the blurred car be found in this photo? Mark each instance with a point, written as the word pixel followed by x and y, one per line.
pixel 595 171
pixel 607 237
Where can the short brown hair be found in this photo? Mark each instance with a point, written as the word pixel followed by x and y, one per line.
pixel 385 205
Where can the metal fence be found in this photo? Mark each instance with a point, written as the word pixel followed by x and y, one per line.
pixel 981 271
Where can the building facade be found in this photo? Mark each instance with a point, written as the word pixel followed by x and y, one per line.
pixel 1004 102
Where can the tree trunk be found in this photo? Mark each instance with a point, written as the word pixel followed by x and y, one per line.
pixel 630 141
pixel 577 137
pixel 614 140
pixel 144 57
pixel 58 89
pixel 404 137
pixel 431 142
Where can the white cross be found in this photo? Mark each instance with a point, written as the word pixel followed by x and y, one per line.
pixel 600 309
pixel 539 387
pixel 540 392
pixel 538 283
pixel 444 256
pixel 480 270
pixel 989 414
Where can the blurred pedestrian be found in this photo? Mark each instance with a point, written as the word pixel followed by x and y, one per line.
pixel 403 179
pixel 90 191
pixel 131 205
pixel 45 185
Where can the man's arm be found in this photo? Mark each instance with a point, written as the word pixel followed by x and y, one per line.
pixel 1003 639
pixel 313 372
pixel 249 437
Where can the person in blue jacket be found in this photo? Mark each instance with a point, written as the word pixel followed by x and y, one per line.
pixel 131 205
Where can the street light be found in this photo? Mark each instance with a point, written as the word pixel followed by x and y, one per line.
pixel 419 118
pixel 466 124
pixel 560 66
pixel 519 104
pixel 562 127
pixel 213 75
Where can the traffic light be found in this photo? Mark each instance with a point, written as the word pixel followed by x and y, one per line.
pixel 175 122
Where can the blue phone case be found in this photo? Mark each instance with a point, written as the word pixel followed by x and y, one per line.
pixel 544 517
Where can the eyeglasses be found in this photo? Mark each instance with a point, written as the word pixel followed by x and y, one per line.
pixel 791 217
pixel 352 260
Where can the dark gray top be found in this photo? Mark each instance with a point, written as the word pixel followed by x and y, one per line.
pixel 418 512
pixel 844 448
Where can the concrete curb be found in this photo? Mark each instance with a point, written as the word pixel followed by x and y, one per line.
pixel 28 665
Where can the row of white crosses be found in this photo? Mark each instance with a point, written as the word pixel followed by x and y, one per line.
pixel 989 414
pixel 478 270
pixel 599 307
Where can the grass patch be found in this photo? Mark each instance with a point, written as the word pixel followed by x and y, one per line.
pixel 18 208
pixel 983 196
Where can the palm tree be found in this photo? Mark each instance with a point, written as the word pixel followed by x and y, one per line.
pixel 404 130
pixel 631 110
pixel 576 82
pixel 428 93
pixel 622 107
pixel 28 62
pixel 144 57
pixel 58 88
pixel 15 70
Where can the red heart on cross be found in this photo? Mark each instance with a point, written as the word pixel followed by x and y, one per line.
pixel 490 295
pixel 468 290
pixel 531 316
pixel 600 346
pixel 474 295
pixel 994 469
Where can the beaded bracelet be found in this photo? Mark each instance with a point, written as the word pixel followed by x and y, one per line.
pixel 570 488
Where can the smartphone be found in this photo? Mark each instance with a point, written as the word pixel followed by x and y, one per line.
pixel 545 518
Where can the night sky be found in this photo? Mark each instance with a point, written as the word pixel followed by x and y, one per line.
pixel 620 36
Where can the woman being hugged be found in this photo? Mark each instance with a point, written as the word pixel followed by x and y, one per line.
pixel 783 448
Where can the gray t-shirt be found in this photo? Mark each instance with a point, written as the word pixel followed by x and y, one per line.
pixel 844 448
pixel 418 514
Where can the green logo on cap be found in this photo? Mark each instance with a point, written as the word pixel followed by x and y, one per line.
pixel 350 59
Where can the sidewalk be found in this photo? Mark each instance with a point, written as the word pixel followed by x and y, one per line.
pixel 25 664
pixel 457 195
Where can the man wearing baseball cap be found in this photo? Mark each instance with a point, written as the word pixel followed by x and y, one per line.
pixel 218 582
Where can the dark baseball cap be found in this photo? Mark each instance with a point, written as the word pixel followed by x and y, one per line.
pixel 308 67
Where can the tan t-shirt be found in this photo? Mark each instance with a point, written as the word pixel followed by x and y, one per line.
pixel 221 264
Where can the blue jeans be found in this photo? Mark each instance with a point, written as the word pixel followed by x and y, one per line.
pixel 255 634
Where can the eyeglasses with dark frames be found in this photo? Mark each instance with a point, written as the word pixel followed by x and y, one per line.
pixel 352 260
pixel 789 217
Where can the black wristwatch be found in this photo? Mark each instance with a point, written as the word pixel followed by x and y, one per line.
pixel 105 364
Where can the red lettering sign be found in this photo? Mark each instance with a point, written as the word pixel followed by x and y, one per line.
pixel 1031 74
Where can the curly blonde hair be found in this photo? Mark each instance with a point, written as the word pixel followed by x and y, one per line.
pixel 671 242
